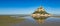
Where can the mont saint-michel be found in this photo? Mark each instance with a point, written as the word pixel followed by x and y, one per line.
pixel 40 13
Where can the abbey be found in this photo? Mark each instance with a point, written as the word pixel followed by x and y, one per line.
pixel 40 13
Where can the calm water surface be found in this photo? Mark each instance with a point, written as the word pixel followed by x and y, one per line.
pixel 51 21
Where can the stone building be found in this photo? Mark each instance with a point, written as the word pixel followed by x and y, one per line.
pixel 40 12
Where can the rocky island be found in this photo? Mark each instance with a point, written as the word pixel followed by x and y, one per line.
pixel 40 13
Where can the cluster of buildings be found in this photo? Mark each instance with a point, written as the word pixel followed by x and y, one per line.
pixel 40 12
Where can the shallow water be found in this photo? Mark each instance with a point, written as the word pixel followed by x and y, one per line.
pixel 29 21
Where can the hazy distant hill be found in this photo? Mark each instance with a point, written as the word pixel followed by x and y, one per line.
pixel 21 15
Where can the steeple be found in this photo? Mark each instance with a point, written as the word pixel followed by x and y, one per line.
pixel 41 8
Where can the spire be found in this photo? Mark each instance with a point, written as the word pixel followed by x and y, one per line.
pixel 41 7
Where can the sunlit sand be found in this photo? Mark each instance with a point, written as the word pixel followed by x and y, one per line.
pixel 6 20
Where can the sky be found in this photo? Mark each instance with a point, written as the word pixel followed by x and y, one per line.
pixel 28 6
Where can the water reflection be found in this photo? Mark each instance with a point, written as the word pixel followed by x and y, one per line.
pixel 40 20
pixel 29 21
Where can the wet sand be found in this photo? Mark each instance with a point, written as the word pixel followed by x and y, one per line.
pixel 28 21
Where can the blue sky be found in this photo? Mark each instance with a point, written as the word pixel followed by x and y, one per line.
pixel 28 6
